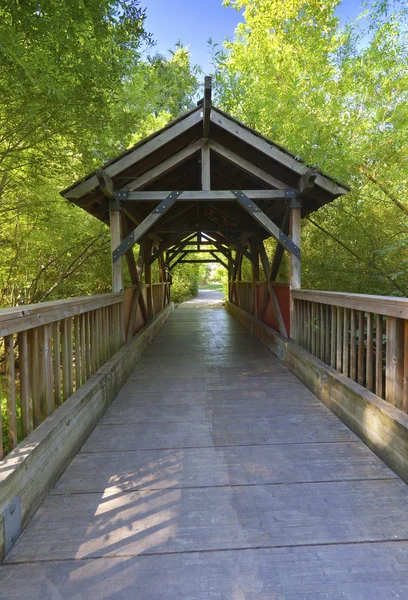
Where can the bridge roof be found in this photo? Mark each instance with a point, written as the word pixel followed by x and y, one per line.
pixel 172 159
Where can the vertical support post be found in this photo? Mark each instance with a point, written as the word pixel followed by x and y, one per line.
pixel 116 238
pixel 205 166
pixel 295 279
pixel 255 275
pixel 394 373
pixel 148 280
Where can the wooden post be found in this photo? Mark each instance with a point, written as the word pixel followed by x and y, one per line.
pixel 255 275
pixel 116 238
pixel 394 373
pixel 148 280
pixel 295 279
pixel 205 167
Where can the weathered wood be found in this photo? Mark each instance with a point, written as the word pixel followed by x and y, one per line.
pixel 144 226
pixel 77 346
pixel 49 384
pixel 207 102
pixel 105 183
pixel 31 470
pixel 346 328
pixel 384 305
pixel 83 347
pixel 204 195
pixel 295 275
pixel 379 380
pixel 135 154
pixel 25 395
pixel 23 318
pixel 10 392
pixel 370 354
pixel 394 370
pixel 57 363
pixel 260 217
pixel 353 346
pixel 33 345
pixel 205 167
pixel 333 344
pixel 70 358
pixel 274 152
pixel 307 181
pixel 116 239
pixel 272 293
pixel 246 166
pixel 164 167
pixel 361 349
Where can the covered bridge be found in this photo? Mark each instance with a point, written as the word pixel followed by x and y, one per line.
pixel 252 450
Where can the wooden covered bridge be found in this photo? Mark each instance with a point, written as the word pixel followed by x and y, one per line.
pixel 257 450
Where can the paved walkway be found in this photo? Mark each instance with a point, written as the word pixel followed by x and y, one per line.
pixel 215 474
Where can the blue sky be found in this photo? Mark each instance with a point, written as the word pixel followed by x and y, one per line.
pixel 193 22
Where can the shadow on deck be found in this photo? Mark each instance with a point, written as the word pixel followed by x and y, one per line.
pixel 216 474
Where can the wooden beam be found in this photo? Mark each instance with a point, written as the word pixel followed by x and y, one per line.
pixel 164 167
pixel 205 167
pixel 295 229
pixel 307 181
pixel 105 183
pixel 207 107
pixel 246 166
pixel 266 223
pixel 266 267
pixel 116 240
pixel 231 241
pixel 277 258
pixel 141 150
pixel 203 195
pixel 238 130
pixel 144 226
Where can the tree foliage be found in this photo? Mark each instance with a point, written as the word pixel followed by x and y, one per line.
pixel 79 83
pixel 337 99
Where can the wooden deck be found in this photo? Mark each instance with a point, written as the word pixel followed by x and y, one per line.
pixel 216 474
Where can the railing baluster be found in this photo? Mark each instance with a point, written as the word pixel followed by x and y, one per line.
pixel 10 392
pixel 88 345
pixel 57 363
pixel 353 346
pixel 339 339
pixel 71 356
pixel 370 353
pixel 360 356
pixel 25 396
pixel 379 387
pixel 346 327
pixel 77 346
pixel 333 337
pixel 83 348
pixel 65 360
pixel 394 374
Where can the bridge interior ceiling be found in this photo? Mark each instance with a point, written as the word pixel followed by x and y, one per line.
pixel 165 163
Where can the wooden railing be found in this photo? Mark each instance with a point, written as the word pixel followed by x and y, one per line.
pixel 160 296
pixel 241 294
pixel 363 337
pixel 50 350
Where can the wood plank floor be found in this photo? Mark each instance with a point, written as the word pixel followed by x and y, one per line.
pixel 215 474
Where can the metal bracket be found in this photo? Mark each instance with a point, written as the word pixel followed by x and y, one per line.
pixel 143 227
pixel 289 244
pixel 121 195
pixel 114 204
pixel 290 192
pixel 161 208
pixel 12 523
pixel 266 222
pixel 295 202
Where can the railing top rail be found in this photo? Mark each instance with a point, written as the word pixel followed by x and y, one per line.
pixel 383 305
pixel 28 316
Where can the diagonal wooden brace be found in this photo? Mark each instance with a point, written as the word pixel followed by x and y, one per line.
pixel 266 222
pixel 145 225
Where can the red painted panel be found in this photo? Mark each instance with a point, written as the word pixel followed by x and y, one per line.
pixel 283 296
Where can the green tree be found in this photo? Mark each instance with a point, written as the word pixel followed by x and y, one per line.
pixel 337 99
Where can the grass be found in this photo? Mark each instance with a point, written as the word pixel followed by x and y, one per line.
pixel 217 287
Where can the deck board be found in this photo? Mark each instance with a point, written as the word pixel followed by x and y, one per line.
pixel 216 474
